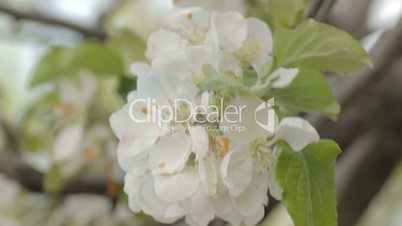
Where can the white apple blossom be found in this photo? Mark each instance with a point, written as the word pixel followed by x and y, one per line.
pixel 85 209
pixel 174 174
pixel 194 163
pixel 74 140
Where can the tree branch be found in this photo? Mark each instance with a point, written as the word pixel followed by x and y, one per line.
pixel 320 9
pixel 13 167
pixel 87 33
pixel 324 10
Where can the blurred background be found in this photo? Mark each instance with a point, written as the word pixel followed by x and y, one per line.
pixel 61 62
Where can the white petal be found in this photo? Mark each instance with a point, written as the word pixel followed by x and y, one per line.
pixel 253 220
pixel 254 197
pixel 201 209
pixel 236 169
pixel 283 77
pixel 132 155
pixel 177 187
pixel 132 121
pixel 200 141
pixel 151 204
pixel 165 87
pixel 297 132
pixel 274 189
pixel 139 68
pixel 259 30
pixel 186 18
pixel 68 142
pixel 170 154
pixel 224 209
pixel 208 170
pixel 231 29
pixel 132 187
pixel 163 42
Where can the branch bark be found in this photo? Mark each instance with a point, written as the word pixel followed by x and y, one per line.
pixel 87 33
pixel 320 9
pixel 13 167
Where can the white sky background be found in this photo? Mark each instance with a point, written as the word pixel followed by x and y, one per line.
pixel 18 55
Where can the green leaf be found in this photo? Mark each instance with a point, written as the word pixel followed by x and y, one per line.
pixel 53 181
pixel 286 13
pixel 227 82
pixel 318 46
pixel 129 45
pixel 307 179
pixel 308 92
pixel 61 61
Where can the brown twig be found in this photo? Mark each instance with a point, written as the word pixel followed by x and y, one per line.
pixel 87 33
pixel 319 9
pixel 13 167
pixel 324 10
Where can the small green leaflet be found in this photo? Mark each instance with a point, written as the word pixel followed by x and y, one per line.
pixel 286 13
pixel 227 82
pixel 318 46
pixel 61 61
pixel 307 179
pixel 53 181
pixel 308 92
pixel 129 45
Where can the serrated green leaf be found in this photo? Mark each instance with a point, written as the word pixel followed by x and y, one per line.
pixel 307 179
pixel 61 61
pixel 227 82
pixel 318 46
pixel 308 92
pixel 53 181
pixel 129 45
pixel 286 13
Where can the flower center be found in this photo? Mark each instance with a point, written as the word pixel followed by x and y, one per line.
pixel 250 49
pixel 195 36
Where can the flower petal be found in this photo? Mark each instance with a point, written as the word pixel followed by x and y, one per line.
pixel 297 132
pixel 177 187
pixel 283 77
pixel 231 29
pixel 208 169
pixel 254 197
pixel 170 154
pixel 68 142
pixel 236 168
pixel 200 141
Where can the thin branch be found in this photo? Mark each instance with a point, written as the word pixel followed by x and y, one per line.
pixel 314 8
pixel 13 167
pixel 324 10
pixel 319 9
pixel 87 33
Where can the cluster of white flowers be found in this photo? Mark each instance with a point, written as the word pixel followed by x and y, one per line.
pixel 78 141
pixel 85 209
pixel 201 173
pixel 22 208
